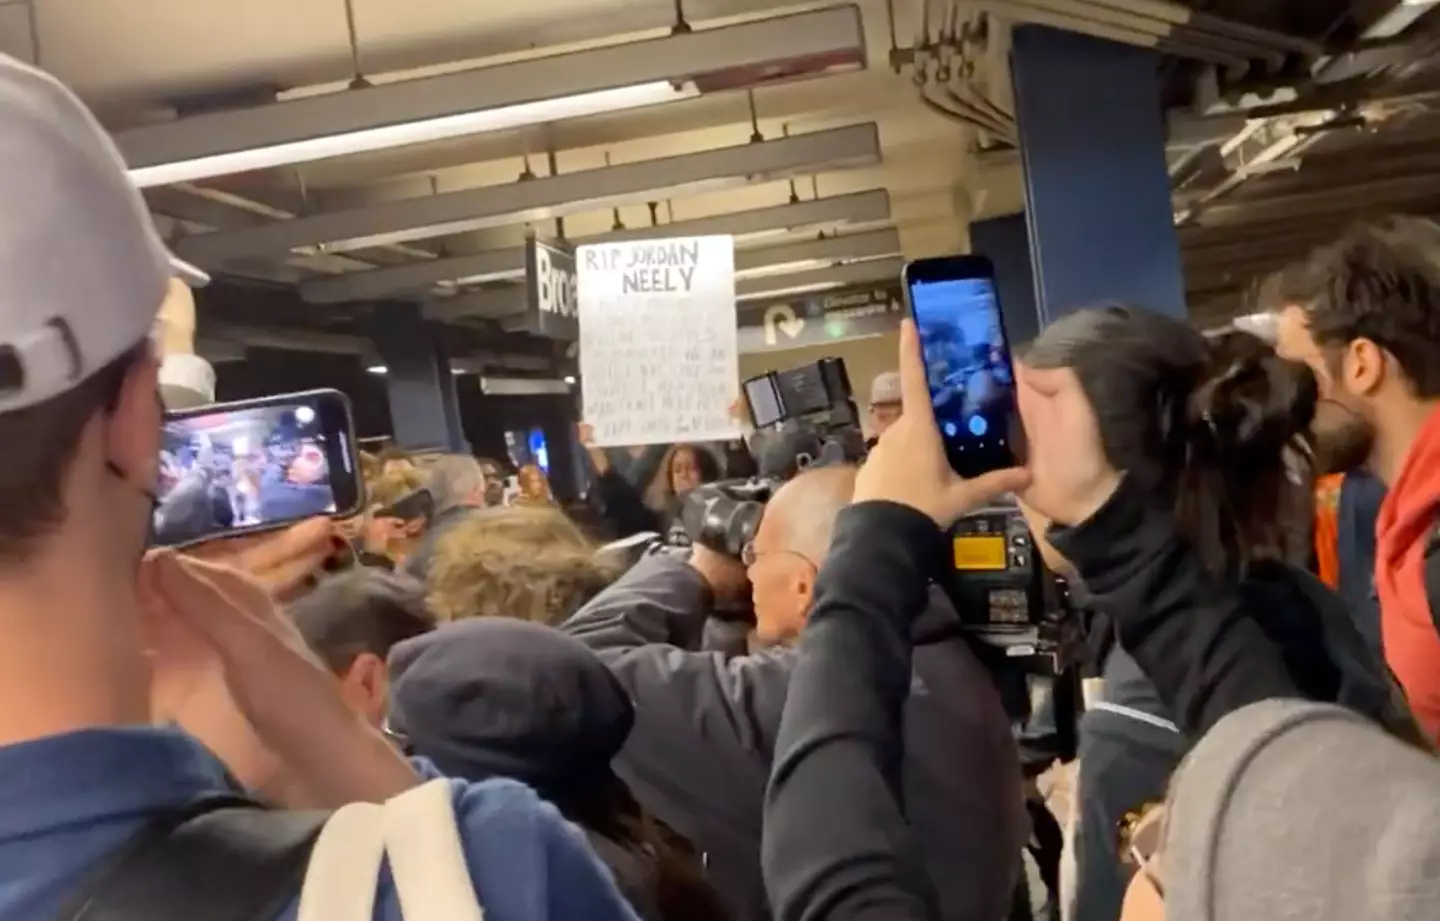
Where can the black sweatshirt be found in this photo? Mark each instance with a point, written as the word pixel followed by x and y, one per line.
pixel 1189 631
pixel 837 845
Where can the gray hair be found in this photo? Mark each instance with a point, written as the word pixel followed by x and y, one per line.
pixel 456 480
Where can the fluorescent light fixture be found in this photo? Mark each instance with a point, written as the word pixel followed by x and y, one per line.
pixel 816 253
pixel 381 369
pixel 782 268
pixel 546 197
pixel 484 277
pixel 871 271
pixel 870 207
pixel 608 78
pixel 522 386
pixel 404 134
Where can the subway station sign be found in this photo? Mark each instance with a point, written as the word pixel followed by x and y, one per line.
pixel 816 319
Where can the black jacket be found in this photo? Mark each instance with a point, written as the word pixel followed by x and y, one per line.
pixel 701 749
pixel 837 845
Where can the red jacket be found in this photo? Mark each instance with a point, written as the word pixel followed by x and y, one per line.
pixel 1407 519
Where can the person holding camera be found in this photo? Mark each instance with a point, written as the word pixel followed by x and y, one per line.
pixel 699 754
pixel 1214 650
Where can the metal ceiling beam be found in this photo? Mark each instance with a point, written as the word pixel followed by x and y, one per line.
pixel 223 338
pixel 723 57
pixel 547 197
pixel 859 208
pixel 1367 197
pixel 852 273
pixel 502 303
pixel 872 244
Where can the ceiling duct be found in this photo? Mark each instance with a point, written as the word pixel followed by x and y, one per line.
pixel 542 198
pixel 509 264
pixel 531 92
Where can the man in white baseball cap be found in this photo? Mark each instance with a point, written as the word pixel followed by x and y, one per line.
pixel 87 785
pixel 884 403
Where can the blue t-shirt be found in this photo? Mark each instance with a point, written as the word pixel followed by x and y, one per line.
pixel 68 801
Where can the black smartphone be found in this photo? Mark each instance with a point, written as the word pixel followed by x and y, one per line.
pixel 415 505
pixel 967 359
pixel 256 465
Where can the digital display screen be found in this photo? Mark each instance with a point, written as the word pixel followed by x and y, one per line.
pixel 241 468
pixel 528 447
pixel 967 362
pixel 985 553
pixel 764 401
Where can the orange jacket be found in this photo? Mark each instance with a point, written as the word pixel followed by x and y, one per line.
pixel 1407 519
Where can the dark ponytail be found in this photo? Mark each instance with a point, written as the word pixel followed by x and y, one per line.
pixel 1244 489
pixel 1212 426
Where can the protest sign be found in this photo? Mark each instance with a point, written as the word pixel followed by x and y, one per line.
pixel 658 355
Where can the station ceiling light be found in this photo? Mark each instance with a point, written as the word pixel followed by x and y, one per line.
pixel 540 90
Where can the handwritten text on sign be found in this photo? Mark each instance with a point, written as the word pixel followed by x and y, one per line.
pixel 658 356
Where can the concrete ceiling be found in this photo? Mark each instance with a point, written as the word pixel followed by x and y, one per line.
pixel 139 60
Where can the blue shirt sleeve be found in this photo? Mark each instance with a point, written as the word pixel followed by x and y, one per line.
pixel 527 862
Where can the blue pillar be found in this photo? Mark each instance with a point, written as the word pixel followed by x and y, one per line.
pixel 1006 241
pixel 423 408
pixel 1092 139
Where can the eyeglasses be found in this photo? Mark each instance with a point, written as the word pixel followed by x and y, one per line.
pixel 748 555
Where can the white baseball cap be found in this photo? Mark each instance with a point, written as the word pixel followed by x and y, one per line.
pixel 885 389
pixel 82 269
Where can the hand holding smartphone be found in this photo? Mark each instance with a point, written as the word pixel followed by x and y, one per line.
pixel 968 367
pixel 256 465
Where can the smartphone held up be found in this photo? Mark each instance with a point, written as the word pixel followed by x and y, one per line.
pixel 956 309
pixel 257 465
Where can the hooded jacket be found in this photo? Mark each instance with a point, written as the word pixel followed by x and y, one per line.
pixel 1295 811
pixel 494 697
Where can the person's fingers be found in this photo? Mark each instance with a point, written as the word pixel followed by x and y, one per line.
pixel 233 614
pixel 914 384
pixel 973 492
pixel 285 560
pixel 1044 381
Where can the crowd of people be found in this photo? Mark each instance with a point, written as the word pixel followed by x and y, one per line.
pixel 182 732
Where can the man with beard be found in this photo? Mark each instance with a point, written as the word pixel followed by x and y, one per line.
pixel 1364 314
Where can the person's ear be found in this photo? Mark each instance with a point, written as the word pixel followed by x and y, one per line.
pixel 1363 367
pixel 366 687
pixel 805 586
pixel 133 428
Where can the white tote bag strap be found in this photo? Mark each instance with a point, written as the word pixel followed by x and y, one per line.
pixel 344 867
pixel 427 858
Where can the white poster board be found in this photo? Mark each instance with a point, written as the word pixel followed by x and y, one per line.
pixel 659 361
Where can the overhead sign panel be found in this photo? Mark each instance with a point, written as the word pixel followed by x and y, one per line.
pixel 535 199
pixel 852 313
pixel 551 310
pixel 658 357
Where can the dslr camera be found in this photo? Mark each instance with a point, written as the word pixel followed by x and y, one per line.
pixel 804 417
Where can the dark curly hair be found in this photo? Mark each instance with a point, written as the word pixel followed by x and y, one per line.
pixel 1381 282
